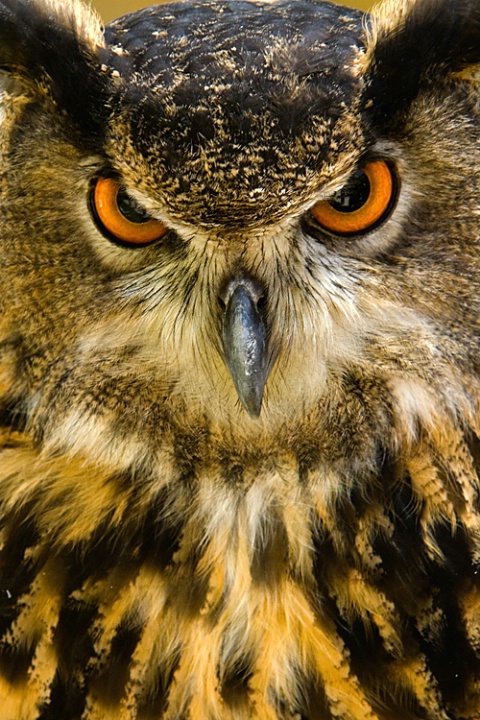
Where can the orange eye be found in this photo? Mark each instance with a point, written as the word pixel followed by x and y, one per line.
pixel 120 217
pixel 361 204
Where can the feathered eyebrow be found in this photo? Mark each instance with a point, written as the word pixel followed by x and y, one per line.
pixel 430 37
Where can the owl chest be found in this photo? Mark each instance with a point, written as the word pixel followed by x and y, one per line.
pixel 209 600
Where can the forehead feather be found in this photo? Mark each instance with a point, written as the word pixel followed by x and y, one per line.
pixel 253 87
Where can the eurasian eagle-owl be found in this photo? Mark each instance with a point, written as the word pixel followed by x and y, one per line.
pixel 239 377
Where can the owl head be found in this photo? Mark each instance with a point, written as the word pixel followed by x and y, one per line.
pixel 240 220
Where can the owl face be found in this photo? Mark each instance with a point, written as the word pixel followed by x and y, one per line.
pixel 249 218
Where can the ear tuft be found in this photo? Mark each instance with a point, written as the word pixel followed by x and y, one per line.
pixel 56 43
pixel 413 41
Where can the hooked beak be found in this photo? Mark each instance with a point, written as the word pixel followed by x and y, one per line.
pixel 244 337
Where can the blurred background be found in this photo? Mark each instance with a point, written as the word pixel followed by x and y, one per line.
pixel 110 9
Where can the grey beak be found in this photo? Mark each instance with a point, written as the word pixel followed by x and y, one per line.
pixel 244 337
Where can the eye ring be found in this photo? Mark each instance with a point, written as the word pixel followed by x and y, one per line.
pixel 370 207
pixel 119 217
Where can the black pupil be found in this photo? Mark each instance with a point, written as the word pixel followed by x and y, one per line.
pixel 130 209
pixel 353 195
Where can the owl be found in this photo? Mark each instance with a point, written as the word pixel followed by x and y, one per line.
pixel 239 361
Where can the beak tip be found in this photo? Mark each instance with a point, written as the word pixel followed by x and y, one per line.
pixel 253 406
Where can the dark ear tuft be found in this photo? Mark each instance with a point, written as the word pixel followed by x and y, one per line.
pixel 430 38
pixel 55 42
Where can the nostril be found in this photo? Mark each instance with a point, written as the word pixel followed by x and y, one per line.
pixel 261 304
pixel 253 287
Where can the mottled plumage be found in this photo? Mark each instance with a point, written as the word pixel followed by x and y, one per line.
pixel 239 462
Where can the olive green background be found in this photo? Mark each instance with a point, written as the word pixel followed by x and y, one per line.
pixel 110 9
